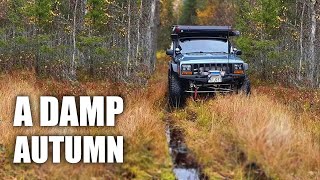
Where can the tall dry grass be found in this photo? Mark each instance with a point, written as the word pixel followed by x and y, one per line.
pixel 239 137
pixel 146 152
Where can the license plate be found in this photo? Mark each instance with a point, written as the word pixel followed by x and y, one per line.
pixel 215 79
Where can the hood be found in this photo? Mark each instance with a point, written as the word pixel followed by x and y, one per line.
pixel 208 58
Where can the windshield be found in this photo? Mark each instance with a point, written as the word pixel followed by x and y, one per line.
pixel 203 46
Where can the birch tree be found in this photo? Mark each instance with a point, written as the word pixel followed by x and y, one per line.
pixel 128 36
pixel 301 38
pixel 312 55
pixel 73 61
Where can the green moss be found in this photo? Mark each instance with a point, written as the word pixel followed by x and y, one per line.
pixel 167 174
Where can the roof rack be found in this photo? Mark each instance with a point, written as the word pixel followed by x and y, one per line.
pixel 203 31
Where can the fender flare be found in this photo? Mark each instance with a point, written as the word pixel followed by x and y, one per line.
pixel 173 68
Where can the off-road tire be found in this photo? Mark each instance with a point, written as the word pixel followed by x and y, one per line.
pixel 246 87
pixel 176 91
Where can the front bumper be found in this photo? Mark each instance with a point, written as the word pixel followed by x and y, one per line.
pixel 228 78
pixel 199 84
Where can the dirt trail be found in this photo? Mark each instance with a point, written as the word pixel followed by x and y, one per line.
pixel 186 166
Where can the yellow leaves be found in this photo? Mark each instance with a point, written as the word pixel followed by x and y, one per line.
pixel 53 14
pixel 87 22
pixel 260 26
pixel 109 15
pixel 280 19
pixel 205 16
pixel 68 29
pixel 123 31
pixel 295 35
pixel 109 2
pixel 32 20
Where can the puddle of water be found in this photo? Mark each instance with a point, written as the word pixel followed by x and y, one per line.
pixel 186 174
pixel 185 166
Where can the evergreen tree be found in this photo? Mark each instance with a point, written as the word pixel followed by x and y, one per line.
pixel 166 21
pixel 259 23
pixel 188 15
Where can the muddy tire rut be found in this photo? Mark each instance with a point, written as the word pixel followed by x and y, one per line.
pixel 185 165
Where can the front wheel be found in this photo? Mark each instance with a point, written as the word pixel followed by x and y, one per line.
pixel 176 91
pixel 246 87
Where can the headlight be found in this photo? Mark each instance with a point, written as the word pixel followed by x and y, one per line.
pixel 186 69
pixel 238 66
pixel 238 69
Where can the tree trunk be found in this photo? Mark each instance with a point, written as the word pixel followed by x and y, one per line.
pixel 139 21
pixel 128 40
pixel 151 36
pixel 312 42
pixel 73 62
pixel 301 40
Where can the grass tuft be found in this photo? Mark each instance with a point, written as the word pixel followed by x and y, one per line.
pixel 256 137
pixel 146 151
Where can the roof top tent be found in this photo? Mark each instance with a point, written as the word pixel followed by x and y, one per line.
pixel 184 31
pixel 180 31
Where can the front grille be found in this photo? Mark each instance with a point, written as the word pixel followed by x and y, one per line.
pixel 201 69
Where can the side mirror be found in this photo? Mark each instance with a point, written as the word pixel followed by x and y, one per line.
pixel 169 52
pixel 239 52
